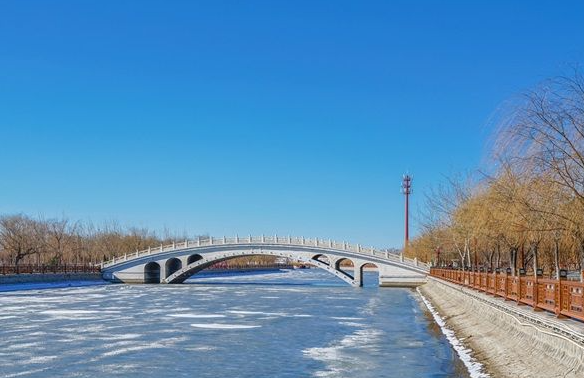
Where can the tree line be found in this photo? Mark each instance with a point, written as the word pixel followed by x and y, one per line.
pixel 62 241
pixel 525 209
pixel 57 241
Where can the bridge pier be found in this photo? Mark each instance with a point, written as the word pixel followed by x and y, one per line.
pixel 358 276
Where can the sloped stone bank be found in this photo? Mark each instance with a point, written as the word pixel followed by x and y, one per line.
pixel 507 344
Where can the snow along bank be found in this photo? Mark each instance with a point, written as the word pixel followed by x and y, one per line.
pixel 506 346
pixel 475 368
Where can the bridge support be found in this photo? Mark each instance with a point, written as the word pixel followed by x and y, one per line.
pixel 358 276
pixel 390 276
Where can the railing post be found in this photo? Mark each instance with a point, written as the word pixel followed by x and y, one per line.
pixel 535 293
pixel 359 248
pixel 249 238
pixel 303 241
pixel 289 239
pixel 236 239
pixel 263 238
pixel 519 289
pixel 330 243
pixel 558 298
pixel 506 286
pixel 345 245
pixel 224 240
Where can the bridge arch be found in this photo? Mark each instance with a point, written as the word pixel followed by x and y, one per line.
pixel 172 265
pixel 192 258
pixel 368 265
pixel 343 263
pixel 152 273
pixel 322 258
pixel 191 269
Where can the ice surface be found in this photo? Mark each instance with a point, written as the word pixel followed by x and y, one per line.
pixel 223 326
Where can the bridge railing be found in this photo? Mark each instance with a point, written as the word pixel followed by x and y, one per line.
pixel 268 240
pixel 562 297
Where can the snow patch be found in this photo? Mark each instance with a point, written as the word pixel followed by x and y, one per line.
pixel 237 312
pixel 474 367
pixel 223 326
pixel 340 358
pixel 196 316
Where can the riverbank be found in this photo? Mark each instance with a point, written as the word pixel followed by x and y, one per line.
pixel 16 282
pixel 505 343
pixel 48 277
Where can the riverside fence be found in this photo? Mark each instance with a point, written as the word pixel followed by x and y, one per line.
pixel 562 297
pixel 44 269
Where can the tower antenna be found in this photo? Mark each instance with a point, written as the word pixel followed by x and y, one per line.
pixel 406 189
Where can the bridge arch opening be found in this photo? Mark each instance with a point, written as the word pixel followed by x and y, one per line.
pixel 369 274
pixel 187 271
pixel 152 273
pixel 172 265
pixel 322 258
pixel 193 258
pixel 346 266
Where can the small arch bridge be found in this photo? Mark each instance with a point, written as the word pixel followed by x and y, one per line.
pixel 173 264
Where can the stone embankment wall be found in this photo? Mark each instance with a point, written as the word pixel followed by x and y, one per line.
pixel 508 345
pixel 58 277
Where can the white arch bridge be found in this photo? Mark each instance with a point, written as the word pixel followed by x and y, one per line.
pixel 175 263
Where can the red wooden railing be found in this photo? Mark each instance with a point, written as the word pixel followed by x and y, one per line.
pixel 65 268
pixel 562 297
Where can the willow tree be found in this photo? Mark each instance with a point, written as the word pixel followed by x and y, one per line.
pixel 545 135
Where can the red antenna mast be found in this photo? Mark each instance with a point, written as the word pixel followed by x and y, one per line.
pixel 407 190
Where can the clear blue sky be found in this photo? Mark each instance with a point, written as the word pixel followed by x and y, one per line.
pixel 294 117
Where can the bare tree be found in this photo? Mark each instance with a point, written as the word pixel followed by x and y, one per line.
pixel 20 237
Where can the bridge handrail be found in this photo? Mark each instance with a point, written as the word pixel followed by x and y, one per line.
pixel 268 240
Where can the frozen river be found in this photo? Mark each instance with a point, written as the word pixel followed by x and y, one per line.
pixel 301 323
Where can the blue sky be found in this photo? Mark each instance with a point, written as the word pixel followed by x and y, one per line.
pixel 294 117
